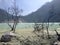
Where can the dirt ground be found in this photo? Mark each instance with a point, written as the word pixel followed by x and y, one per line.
pixel 22 33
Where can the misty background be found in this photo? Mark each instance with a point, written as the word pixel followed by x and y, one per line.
pixel 28 6
pixel 33 10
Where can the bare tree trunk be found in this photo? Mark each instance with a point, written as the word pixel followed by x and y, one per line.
pixel 43 30
pixel 47 30
pixel 14 11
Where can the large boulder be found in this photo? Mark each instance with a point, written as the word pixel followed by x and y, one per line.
pixel 5 38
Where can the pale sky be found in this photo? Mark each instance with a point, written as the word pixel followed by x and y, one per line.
pixel 28 6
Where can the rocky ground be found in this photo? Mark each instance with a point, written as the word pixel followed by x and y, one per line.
pixel 29 38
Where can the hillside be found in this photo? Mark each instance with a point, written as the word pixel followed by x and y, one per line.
pixel 42 14
pixel 48 12
pixel 4 16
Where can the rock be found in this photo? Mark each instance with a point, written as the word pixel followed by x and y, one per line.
pixel 10 33
pixel 57 43
pixel 5 38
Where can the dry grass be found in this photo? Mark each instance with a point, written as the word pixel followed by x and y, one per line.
pixel 25 33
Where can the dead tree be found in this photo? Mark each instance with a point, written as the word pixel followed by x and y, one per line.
pixel 14 12
pixel 36 27
pixel 38 30
pixel 58 35
pixel 51 14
